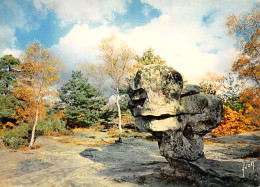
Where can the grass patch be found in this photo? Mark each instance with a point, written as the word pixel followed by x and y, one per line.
pixel 93 128
pixel 217 143
pixel 114 132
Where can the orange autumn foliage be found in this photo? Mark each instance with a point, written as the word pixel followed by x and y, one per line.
pixel 233 123
pixel 4 126
pixel 59 115
pixel 245 29
pixel 250 98
pixel 39 72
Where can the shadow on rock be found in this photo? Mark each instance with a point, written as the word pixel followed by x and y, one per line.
pixel 135 160
pixel 31 166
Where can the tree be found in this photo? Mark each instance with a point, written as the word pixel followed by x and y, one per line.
pixel 117 57
pixel 228 87
pixel 8 73
pixel 83 104
pixel 211 83
pixel 148 58
pixel 39 73
pixel 250 98
pixel 231 89
pixel 8 112
pixel 245 29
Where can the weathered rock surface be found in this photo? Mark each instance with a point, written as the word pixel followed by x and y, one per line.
pixel 155 91
pixel 180 116
pixel 190 89
pixel 132 163
pixel 208 172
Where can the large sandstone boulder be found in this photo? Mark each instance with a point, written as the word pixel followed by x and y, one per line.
pixel 155 91
pixel 179 116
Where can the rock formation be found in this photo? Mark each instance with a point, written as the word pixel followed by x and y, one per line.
pixel 178 115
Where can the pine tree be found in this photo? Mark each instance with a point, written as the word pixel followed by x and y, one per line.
pixel 82 102
pixel 8 73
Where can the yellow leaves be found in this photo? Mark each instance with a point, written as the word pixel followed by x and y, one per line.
pixel 117 57
pixel 39 73
pixel 59 115
pixel 8 124
pixel 250 97
pixel 245 29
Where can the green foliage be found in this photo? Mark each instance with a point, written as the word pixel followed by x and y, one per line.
pixel 51 126
pixel 8 73
pixel 124 103
pixel 7 109
pixel 109 113
pixel 148 58
pixel 83 104
pixel 235 104
pixel 55 109
pixel 231 92
pixel 17 137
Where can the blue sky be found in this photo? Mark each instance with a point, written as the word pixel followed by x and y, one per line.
pixel 48 32
pixel 189 35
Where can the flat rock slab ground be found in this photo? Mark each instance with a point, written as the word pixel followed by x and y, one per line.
pixel 89 159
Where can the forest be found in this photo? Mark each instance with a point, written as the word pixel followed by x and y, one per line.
pixel 35 101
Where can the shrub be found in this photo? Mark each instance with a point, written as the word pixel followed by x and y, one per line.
pixel 232 123
pixel 52 126
pixel 17 137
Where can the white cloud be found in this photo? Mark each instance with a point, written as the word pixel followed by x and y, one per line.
pixel 15 14
pixel 7 36
pixel 171 43
pixel 84 11
pixel 7 41
pixel 79 45
pixel 178 36
pixel 186 43
pixel 175 45
pixel 15 52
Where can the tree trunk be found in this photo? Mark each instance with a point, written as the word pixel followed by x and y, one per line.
pixel 119 117
pixel 34 127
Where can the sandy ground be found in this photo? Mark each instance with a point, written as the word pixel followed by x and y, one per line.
pixel 87 159
pixel 69 164
pixel 54 164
